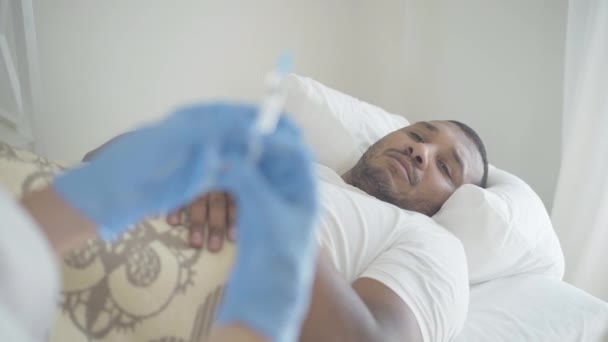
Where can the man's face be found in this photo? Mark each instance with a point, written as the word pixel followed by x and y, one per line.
pixel 418 167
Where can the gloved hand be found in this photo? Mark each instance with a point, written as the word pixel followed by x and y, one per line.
pixel 158 168
pixel 270 284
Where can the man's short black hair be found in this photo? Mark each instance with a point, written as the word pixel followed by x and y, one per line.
pixel 471 134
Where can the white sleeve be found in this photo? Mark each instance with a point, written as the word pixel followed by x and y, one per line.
pixel 427 269
pixel 29 273
pixel 11 329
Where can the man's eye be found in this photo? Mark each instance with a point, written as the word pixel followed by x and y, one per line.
pixel 416 137
pixel 445 170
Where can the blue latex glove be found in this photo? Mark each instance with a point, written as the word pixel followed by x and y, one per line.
pixel 158 168
pixel 269 287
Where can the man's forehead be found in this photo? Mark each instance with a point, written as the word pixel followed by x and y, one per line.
pixel 443 128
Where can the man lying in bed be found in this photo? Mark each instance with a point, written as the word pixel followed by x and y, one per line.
pixel 384 274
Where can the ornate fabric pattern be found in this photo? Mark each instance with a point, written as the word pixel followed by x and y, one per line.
pixel 149 285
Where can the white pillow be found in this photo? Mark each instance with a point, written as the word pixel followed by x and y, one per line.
pixel 533 308
pixel 505 229
pixel 365 122
pixel 332 144
pixel 339 127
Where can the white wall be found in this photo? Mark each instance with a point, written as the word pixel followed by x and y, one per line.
pixel 107 65
pixel 494 64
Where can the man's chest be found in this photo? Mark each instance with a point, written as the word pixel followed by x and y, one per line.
pixel 354 228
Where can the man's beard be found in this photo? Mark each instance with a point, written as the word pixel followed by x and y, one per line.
pixel 373 181
pixel 376 182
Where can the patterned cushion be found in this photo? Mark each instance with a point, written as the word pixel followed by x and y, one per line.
pixel 147 286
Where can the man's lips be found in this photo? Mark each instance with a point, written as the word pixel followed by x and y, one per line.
pixel 404 164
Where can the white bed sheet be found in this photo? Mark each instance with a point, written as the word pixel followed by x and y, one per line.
pixel 533 308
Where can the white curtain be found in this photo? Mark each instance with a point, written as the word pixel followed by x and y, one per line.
pixel 19 76
pixel 580 210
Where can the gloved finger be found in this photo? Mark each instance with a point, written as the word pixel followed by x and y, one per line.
pixel 286 178
pixel 259 204
pixel 288 127
pixel 197 219
pixel 249 188
pixel 232 121
pixel 231 127
pixel 218 221
pixel 287 166
pixel 175 218
pixel 231 218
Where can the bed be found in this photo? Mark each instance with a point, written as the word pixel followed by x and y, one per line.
pixel 149 286
pixel 533 308
pixel 515 262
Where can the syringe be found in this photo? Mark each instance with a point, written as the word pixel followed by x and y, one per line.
pixel 271 106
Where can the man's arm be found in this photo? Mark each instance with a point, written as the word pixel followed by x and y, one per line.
pixel 91 154
pixel 367 311
pixel 64 227
pixel 234 333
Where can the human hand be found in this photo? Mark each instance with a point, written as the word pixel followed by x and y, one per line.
pixel 269 287
pixel 214 212
pixel 159 167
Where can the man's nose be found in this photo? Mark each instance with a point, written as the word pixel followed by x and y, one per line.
pixel 420 154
